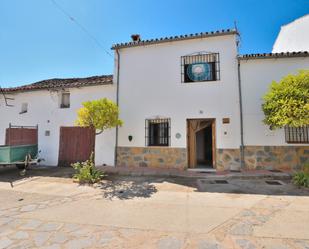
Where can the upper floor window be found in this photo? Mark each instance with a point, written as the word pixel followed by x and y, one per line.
pixel 200 67
pixel 297 135
pixel 65 100
pixel 157 132
pixel 24 108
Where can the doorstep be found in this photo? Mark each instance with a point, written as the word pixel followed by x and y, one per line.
pixel 203 170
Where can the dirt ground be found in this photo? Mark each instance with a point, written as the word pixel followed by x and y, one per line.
pixel 45 209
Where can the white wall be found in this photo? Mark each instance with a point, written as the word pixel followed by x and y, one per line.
pixel 256 76
pixel 293 36
pixel 43 109
pixel 150 85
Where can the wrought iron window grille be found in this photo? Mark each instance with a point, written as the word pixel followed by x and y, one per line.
pixel 297 135
pixel 211 60
pixel 157 132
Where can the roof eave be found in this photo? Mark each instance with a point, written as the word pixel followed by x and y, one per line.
pixel 273 55
pixel 60 86
pixel 175 38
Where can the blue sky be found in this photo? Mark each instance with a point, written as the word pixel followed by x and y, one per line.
pixel 37 41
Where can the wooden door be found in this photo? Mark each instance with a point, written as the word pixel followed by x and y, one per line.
pixel 214 146
pixel 76 144
pixel 193 126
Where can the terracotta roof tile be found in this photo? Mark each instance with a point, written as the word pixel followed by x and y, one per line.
pixel 273 55
pixel 175 38
pixel 65 83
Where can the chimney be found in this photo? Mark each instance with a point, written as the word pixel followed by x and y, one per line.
pixel 136 37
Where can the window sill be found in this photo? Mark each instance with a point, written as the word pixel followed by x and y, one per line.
pixel 158 146
pixel 305 143
pixel 194 82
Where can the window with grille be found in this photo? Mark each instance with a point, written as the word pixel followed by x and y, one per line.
pixel 200 67
pixel 297 134
pixel 157 132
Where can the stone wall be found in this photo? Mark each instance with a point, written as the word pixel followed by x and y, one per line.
pixel 276 157
pixel 256 157
pixel 264 157
pixel 228 159
pixel 153 157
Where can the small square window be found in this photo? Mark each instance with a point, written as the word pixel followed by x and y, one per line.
pixel 65 100
pixel 297 135
pixel 157 132
pixel 200 67
pixel 24 108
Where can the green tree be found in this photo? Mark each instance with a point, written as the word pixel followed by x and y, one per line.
pixel 101 114
pixel 287 101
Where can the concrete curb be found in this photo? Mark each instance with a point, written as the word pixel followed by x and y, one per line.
pixel 240 176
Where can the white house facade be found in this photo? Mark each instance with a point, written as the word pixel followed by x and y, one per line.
pixel 187 101
pixel 153 89
pixel 40 104
pixel 265 148
pixel 293 36
pixel 173 120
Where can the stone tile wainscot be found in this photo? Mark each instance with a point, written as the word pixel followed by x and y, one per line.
pixel 152 157
pixel 264 157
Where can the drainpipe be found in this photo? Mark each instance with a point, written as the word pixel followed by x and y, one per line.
pixel 117 102
pixel 242 152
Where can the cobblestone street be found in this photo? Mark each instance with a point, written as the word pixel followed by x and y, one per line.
pixel 140 212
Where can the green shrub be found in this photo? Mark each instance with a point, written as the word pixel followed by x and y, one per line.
pixel 301 179
pixel 306 168
pixel 287 102
pixel 86 172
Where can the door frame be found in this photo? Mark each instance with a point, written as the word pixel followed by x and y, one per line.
pixel 214 145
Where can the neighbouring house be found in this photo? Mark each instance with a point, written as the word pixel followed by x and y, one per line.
pixel 52 104
pixel 266 149
pixel 293 36
pixel 188 101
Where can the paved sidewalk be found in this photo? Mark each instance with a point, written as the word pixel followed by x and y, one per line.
pixel 48 211
pixel 196 173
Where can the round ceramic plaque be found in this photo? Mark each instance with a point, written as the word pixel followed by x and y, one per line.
pixel 178 135
pixel 199 71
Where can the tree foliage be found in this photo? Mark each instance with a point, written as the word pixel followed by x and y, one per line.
pixel 101 114
pixel 287 101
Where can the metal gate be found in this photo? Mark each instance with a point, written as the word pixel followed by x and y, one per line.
pixel 76 144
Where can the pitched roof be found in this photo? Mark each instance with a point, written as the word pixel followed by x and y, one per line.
pixel 175 38
pixel 63 83
pixel 273 55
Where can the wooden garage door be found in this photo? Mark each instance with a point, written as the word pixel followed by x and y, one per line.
pixel 76 144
